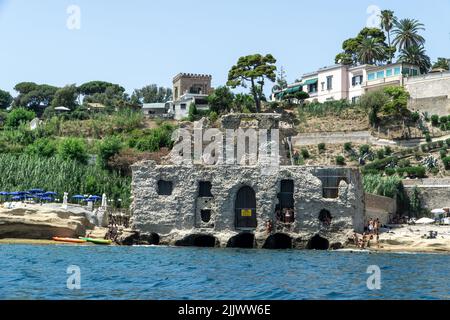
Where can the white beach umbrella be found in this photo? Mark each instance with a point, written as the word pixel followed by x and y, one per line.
pixel 438 212
pixel 425 221
pixel 62 109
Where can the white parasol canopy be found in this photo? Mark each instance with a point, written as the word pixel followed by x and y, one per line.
pixel 425 221
pixel 62 109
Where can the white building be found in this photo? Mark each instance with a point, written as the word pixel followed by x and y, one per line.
pixel 180 108
pixel 340 82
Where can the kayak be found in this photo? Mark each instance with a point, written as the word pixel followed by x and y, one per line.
pixel 97 241
pixel 69 240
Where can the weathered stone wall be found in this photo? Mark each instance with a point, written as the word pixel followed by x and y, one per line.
pixel 432 196
pixel 176 216
pixel 434 105
pixel 380 207
pixel 430 93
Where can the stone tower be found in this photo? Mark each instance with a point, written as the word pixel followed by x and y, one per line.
pixel 198 84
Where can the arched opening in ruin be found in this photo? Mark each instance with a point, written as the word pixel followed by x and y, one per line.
pixel 245 209
pixel 151 239
pixel 197 240
pixel 278 241
pixel 242 240
pixel 325 217
pixel 318 243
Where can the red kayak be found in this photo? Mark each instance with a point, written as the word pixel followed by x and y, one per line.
pixel 69 240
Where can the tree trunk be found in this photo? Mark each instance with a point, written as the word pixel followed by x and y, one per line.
pixel 255 96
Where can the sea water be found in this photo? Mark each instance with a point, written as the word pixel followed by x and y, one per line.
pixel 98 272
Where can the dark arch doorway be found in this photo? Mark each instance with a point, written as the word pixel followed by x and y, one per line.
pixel 278 241
pixel 243 240
pixel 318 243
pixel 325 217
pixel 245 209
pixel 197 240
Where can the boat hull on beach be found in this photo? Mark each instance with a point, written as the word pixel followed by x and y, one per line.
pixel 69 240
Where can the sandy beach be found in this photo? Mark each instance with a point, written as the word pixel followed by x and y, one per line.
pixel 412 238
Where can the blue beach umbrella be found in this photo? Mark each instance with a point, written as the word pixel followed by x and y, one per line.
pixel 17 198
pixel 50 193
pixel 36 191
pixel 46 199
pixel 78 197
pixel 95 198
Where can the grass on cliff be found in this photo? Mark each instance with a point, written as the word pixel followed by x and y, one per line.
pixel 389 186
pixel 24 172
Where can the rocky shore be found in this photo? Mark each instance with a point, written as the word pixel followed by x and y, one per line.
pixel 42 222
pixel 37 224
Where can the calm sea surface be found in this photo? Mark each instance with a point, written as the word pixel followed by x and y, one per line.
pixel 40 272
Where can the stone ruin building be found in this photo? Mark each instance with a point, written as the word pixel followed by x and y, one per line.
pixel 244 206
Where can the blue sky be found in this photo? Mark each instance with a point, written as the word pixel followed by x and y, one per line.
pixel 138 42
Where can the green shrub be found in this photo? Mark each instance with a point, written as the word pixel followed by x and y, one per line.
pixel 435 120
pixel 447 142
pixel 387 150
pixel 424 147
pixel 389 171
pixel 428 137
pixel 412 172
pixel 380 154
pixel 446 162
pixel 403 163
pixel 440 143
pixel 19 116
pixel 305 153
pixel 348 146
pixel 415 116
pixel 43 147
pixel 321 147
pixel 340 160
pixel 443 153
pixel 107 149
pixel 213 116
pixel 73 149
pixel 153 140
pixel 443 120
pixel 447 126
pixel 443 127
pixel 364 149
pixel 380 165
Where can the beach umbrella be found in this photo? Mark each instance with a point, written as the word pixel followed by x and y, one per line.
pixel 4 193
pixel 50 193
pixel 17 198
pixel 94 198
pixel 36 191
pixel 438 212
pixel 62 109
pixel 425 221
pixel 46 199
pixel 78 197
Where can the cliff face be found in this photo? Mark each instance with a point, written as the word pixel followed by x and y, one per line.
pixel 185 214
pixel 40 222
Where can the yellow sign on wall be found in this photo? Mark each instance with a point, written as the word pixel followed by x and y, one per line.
pixel 246 212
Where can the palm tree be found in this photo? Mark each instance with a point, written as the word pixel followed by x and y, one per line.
pixel 406 32
pixel 416 55
pixel 370 51
pixel 387 23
